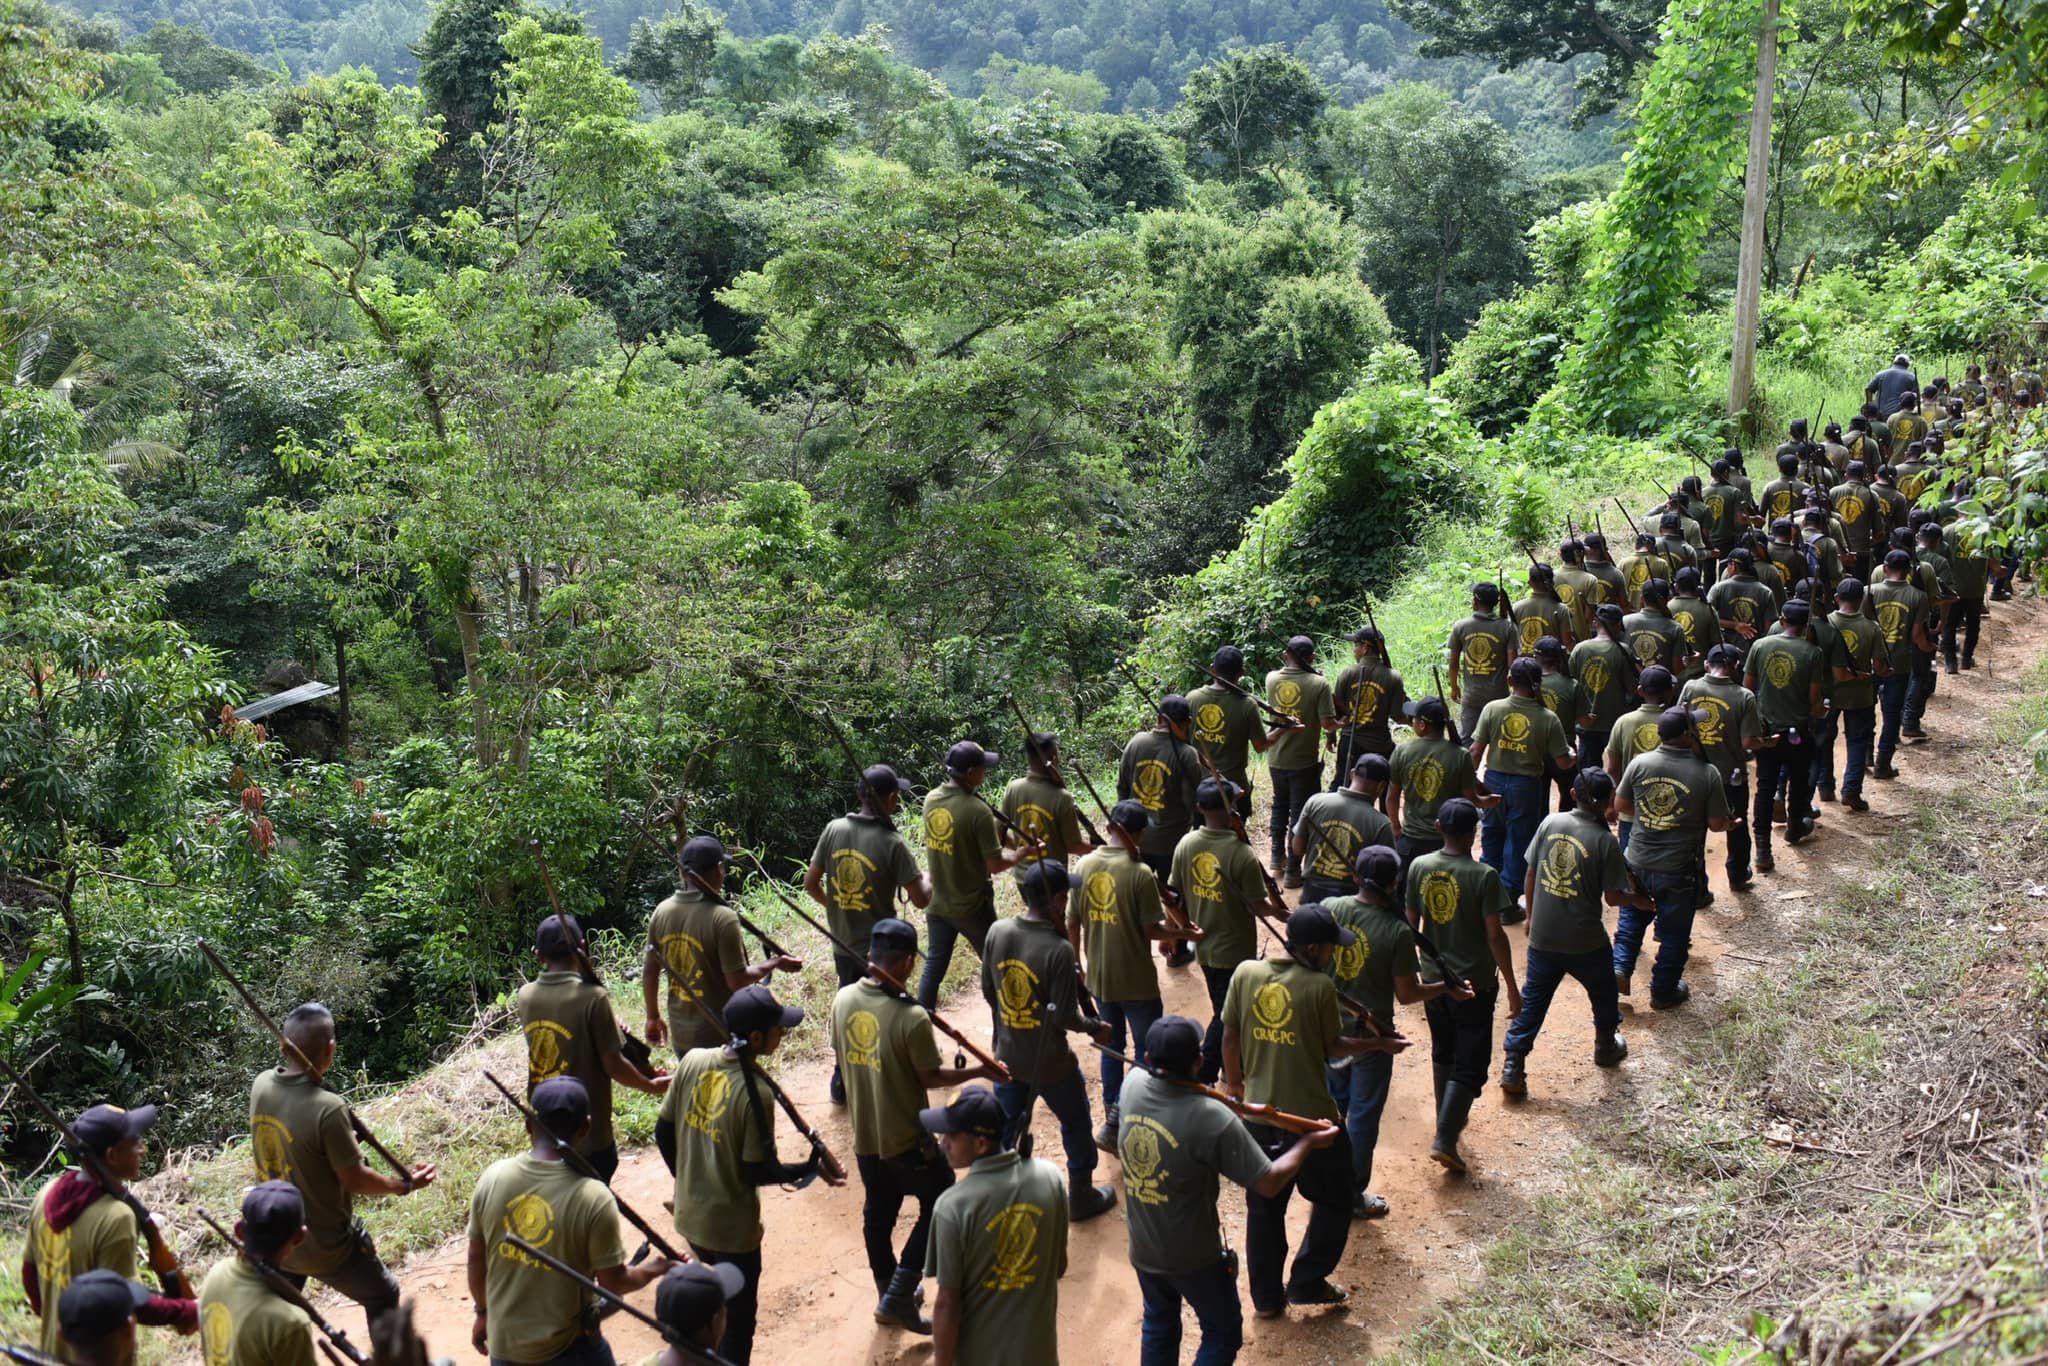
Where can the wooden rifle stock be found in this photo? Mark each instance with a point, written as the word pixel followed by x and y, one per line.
pixel 163 1258
pixel 1273 714
pixel 1263 1114
pixel 580 1164
pixel 355 1121
pixel 632 1048
pixel 282 1287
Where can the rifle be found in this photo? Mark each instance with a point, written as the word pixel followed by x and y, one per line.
pixel 632 1048
pixel 355 1121
pixel 1422 940
pixel 332 1339
pixel 27 1356
pixel 581 1166
pixel 1450 726
pixel 860 777
pixel 1386 645
pixel 1031 751
pixel 827 1163
pixel 163 1258
pixel 1029 841
pixel 1273 714
pixel 1223 785
pixel 618 1302
pixel 768 944
pixel 898 988
pixel 1169 899
pixel 1264 1114
pixel 1633 528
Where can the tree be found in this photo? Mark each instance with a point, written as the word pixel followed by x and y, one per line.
pixel 1249 111
pixel 1622 33
pixel 673 56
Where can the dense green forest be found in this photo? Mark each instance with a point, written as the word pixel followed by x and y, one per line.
pixel 603 404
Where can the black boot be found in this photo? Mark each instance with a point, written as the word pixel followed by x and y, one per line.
pixel 1442 1074
pixel 1514 1075
pixel 1085 1201
pixel 899 1302
pixel 1450 1122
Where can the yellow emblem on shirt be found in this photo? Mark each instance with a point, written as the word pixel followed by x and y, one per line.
pixel 1440 896
pixel 544 1040
pixel 708 1101
pixel 271 1145
pixel 1209 722
pixel 1272 1012
pixel 217 1334
pixel 863 1033
pixel 1017 994
pixel 1099 896
pixel 1016 1262
pixel 938 830
pixel 1148 784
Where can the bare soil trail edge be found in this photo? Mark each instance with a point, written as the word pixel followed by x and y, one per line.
pixel 817 1299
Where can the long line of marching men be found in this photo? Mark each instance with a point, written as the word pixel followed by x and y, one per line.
pixel 1701 682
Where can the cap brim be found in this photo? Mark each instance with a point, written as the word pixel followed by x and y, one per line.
pixel 1412 708
pixel 1355 636
pixel 1346 937
pixel 730 1278
pixel 792 1016
pixel 934 1120
pixel 989 758
pixel 139 1119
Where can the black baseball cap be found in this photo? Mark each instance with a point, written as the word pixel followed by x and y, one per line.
pixel 1743 556
pixel 1365 634
pixel 1850 589
pixel 1526 672
pixel 703 853
pixel 877 779
pixel 1301 647
pixel 1174 1042
pixel 1609 612
pixel 101 1127
pixel 272 1212
pixel 967 754
pixel 969 1110
pixel 1656 678
pixel 1486 591
pixel 557 935
pixel 1315 925
pixel 1550 647
pixel 1229 661
pixel 1724 653
pixel 1796 612
pixel 97 1304
pixel 1457 817
pixel 1378 865
pixel 1686 579
pixel 1038 882
pixel 1174 707
pixel 1210 797
pixel 691 1295
pixel 1426 709
pixel 897 936
pixel 1130 815
pixel 1374 768
pixel 1857 469
pixel 755 1010
pixel 561 1104
pixel 1676 721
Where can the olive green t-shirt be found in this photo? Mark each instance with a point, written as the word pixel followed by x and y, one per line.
pixel 1675 795
pixel 1700 625
pixel 1028 980
pixel 1118 899
pixel 1519 733
pixel 299 1132
pixel 1745 601
pixel 1536 617
pixel 1577 861
pixel 1485 646
pixel 1429 773
pixel 1175 1145
pixel 1633 734
pixel 100 1239
pixel 1724 515
pixel 1731 719
pixel 243 1322
pixel 1856 645
pixel 1972 574
pixel 1224 724
pixel 534 1312
pixel 570 1031
pixel 1160 773
pixel 1580 593
pixel 1786 668
pixel 1220 883
pixel 1654 638
pixel 1638 569
pixel 1365 971
pixel 1612 588
pixel 1285 1016
pixel 1860 510
pixel 865 861
pixel 718 1130
pixel 1368 696
pixel 999 1238
pixel 1565 698
pixel 1605 670
pixel 1897 606
pixel 1044 810
pixel 700 941
pixel 883 1041
pixel 1451 897
pixel 1305 695
pixel 960 837
pixel 1333 827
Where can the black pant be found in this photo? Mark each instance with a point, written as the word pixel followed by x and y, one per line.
pixel 1735 782
pixel 604 1161
pixel 1461 1034
pixel 1218 982
pixel 1349 747
pixel 1772 763
pixel 942 934
pixel 849 970
pixel 889 1181
pixel 737 1343
pixel 1292 787
pixel 1968 616
pixel 1412 847
pixel 1325 1182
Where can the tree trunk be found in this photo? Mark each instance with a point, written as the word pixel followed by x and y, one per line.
pixel 1749 270
pixel 341 685
pixel 74 944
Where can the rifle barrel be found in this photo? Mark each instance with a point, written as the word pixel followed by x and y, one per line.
pixel 768 944
pixel 633 1048
pixel 1264 1114
pixel 1031 751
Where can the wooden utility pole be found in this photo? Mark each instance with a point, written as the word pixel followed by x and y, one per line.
pixel 1750 268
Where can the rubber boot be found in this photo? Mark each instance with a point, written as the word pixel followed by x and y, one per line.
pixel 1450 1122
pixel 1442 1073
pixel 1106 1132
pixel 899 1303
pixel 1514 1075
pixel 1084 1201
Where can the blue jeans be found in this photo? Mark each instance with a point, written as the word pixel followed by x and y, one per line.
pixel 1505 831
pixel 1360 1091
pixel 1140 1016
pixel 1676 895
pixel 1922 688
pixel 943 935
pixel 588 1350
pixel 1541 974
pixel 1622 830
pixel 1859 724
pixel 1212 1294
pixel 1891 701
pixel 1823 760
pixel 1067 1098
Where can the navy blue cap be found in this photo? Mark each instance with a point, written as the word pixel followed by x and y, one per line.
pixel 96 1304
pixel 969 1110
pixel 754 1010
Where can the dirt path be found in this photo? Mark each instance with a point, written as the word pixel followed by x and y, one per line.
pixel 816 1295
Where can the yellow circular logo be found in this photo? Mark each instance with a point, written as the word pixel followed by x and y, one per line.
pixel 1658 802
pixel 1427 778
pixel 1209 721
pixel 544 1050
pixel 1482 654
pixel 271 1144
pixel 1014 988
pixel 849 881
pixel 1851 642
pixel 1745 611
pixel 1208 876
pixel 1351 958
pixel 1851 509
pixel 1514 728
pixel 1891 620
pixel 1035 821
pixel 1597 675
pixel 1148 784
pixel 217 1334
pixel 1638 575
pixel 1779 669
pixel 1287 696
pixel 1273 1005
pixel 1567 594
pixel 1646 737
pixel 1367 705
pixel 1648 646
pixel 1561 868
pixel 1139 1149
pixel 709 1099
pixel 1711 729
pixel 1716 505
pixel 863 1030
pixel 531 1217
pixel 683 960
pixel 938 823
pixel 1099 895
pixel 1016 1230
pixel 1440 896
